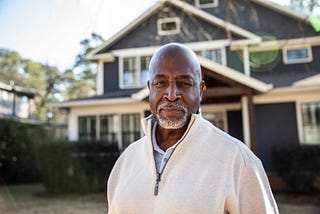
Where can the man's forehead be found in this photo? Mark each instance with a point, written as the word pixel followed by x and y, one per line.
pixel 173 75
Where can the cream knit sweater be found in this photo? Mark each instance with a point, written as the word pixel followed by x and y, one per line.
pixel 209 172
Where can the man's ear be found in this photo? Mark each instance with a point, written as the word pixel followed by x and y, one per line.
pixel 203 87
pixel 148 83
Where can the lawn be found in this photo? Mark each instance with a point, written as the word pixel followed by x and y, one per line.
pixel 30 199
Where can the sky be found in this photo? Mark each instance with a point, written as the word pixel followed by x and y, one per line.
pixel 50 31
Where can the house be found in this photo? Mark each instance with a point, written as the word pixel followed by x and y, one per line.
pixel 16 102
pixel 260 62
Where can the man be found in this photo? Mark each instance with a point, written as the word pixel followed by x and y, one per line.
pixel 184 164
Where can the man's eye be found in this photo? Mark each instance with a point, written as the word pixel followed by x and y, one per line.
pixel 159 83
pixel 185 84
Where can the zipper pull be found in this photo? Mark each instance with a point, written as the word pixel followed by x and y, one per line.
pixel 156 187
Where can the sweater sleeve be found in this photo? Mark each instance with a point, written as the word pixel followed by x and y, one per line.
pixel 255 195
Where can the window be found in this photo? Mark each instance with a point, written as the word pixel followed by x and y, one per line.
pixel 135 71
pixel 213 54
pixel 311 122
pixel 144 68
pixel 169 26
pixel 130 73
pixel 297 55
pixel 130 128
pixel 87 128
pixel 108 128
pixel 206 3
pixel 6 105
pixel 216 118
pixel 22 106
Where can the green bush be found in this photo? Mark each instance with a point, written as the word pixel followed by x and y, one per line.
pixel 299 166
pixel 17 151
pixel 76 167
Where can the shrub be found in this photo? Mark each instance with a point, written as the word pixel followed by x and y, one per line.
pixel 17 151
pixel 76 167
pixel 299 166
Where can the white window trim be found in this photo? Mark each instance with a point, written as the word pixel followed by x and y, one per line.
pixel 299 120
pixel 121 83
pixel 287 61
pixel 223 53
pixel 168 32
pixel 214 3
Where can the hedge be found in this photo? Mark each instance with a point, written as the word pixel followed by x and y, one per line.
pixel 299 166
pixel 76 167
pixel 17 151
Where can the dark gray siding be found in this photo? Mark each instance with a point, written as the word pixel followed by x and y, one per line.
pixel 235 60
pixel 193 29
pixel 111 76
pixel 276 124
pixel 235 128
pixel 280 74
pixel 262 20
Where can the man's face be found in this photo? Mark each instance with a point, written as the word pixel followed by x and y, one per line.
pixel 175 90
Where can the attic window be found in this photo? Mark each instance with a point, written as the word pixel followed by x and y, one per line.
pixel 207 3
pixel 293 55
pixel 169 26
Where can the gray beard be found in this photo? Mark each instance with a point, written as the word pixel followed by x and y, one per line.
pixel 172 123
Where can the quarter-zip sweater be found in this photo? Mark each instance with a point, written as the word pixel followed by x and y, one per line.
pixel 208 172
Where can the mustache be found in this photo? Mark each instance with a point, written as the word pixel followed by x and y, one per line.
pixel 172 105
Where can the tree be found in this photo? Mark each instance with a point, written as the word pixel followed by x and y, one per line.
pixel 81 80
pixel 305 6
pixel 43 78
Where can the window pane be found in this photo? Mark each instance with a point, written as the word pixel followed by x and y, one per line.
pixel 108 128
pixel 216 118
pixel 87 128
pixel 5 103
pixel 311 122
pixel 214 55
pixel 130 76
pixel 130 128
pixel 169 26
pixel 145 60
pixel 22 106
pixel 206 1
pixel 301 53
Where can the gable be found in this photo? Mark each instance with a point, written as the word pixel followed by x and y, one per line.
pixel 213 28
pixel 192 29
pixel 265 18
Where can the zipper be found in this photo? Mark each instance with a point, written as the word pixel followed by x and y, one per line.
pixel 156 187
pixel 158 177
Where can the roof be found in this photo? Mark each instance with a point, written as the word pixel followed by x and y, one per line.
pixel 29 92
pixel 308 82
pixel 222 70
pixel 121 96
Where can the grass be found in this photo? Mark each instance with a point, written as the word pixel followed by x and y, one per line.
pixel 29 199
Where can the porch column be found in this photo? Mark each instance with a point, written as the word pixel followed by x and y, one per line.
pixel 248 119
pixel 245 121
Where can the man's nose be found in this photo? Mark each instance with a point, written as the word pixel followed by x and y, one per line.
pixel 172 93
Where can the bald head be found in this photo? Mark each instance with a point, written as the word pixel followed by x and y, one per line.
pixel 175 86
pixel 173 52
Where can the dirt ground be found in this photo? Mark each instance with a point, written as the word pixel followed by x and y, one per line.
pixel 32 199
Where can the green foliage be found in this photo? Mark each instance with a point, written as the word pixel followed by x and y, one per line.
pixel 82 79
pixel 17 151
pixel 76 167
pixel 299 166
